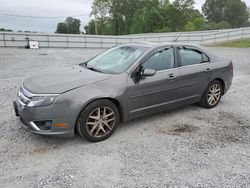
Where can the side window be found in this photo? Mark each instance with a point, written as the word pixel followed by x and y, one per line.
pixel 161 60
pixel 192 57
pixel 205 58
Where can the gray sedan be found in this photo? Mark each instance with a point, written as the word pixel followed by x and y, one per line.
pixel 120 84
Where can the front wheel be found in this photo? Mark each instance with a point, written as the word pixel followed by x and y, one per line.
pixel 212 95
pixel 98 120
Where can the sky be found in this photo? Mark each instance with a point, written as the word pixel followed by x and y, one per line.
pixel 48 8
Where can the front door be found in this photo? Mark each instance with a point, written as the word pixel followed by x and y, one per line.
pixel 151 93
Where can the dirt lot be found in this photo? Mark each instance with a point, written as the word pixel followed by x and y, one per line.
pixel 187 147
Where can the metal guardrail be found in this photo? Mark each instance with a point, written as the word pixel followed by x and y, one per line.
pixel 9 39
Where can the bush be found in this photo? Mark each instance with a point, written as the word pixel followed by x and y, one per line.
pixel 195 25
pixel 163 30
pixel 220 25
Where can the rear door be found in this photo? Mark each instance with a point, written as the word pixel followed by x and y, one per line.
pixel 195 71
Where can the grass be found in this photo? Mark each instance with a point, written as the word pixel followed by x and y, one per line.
pixel 243 43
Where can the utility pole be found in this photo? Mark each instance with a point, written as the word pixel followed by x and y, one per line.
pixel 95 24
pixel 95 13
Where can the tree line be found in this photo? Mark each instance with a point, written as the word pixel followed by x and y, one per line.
pixel 116 17
pixel 119 17
pixel 5 30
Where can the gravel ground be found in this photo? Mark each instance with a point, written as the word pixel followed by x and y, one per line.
pixel 187 147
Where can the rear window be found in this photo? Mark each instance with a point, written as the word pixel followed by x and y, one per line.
pixel 192 56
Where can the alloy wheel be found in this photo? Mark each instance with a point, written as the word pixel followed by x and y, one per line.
pixel 100 121
pixel 214 94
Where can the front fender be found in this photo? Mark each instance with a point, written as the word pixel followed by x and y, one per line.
pixel 76 100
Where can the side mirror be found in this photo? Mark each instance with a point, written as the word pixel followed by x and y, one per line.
pixel 84 64
pixel 148 72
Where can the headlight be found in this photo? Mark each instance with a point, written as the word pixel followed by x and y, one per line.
pixel 41 101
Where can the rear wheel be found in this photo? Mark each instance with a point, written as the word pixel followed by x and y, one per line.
pixel 212 95
pixel 98 120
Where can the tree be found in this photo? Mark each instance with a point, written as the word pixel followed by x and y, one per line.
pixel 184 4
pixel 90 28
pixel 220 25
pixel 6 30
pixel 115 9
pixel 233 11
pixel 70 26
pixel 121 13
pixel 147 19
pixel 137 22
pixel 73 25
pixel 62 28
pixel 181 12
pixel 195 24
pixel 118 17
pixel 103 26
pixel 223 25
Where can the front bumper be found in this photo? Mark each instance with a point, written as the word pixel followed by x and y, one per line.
pixel 27 116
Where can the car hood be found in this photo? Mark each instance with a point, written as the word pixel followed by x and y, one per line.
pixel 63 80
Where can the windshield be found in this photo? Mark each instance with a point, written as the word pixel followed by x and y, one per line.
pixel 115 60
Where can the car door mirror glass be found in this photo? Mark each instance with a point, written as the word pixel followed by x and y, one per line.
pixel 148 72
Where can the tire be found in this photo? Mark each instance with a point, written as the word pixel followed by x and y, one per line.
pixel 212 95
pixel 98 120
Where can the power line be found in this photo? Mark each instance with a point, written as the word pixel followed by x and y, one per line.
pixel 43 17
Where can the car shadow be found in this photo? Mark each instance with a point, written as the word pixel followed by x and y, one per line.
pixel 155 117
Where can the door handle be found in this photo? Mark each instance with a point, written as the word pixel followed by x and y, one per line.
pixel 208 70
pixel 171 76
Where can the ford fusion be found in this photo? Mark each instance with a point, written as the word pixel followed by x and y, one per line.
pixel 120 84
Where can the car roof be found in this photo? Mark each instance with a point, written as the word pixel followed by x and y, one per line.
pixel 156 44
pixel 153 45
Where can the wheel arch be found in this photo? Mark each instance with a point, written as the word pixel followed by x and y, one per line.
pixel 113 100
pixel 222 83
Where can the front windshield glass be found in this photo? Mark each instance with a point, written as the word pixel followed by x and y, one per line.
pixel 116 60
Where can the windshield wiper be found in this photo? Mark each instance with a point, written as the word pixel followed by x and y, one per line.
pixel 94 69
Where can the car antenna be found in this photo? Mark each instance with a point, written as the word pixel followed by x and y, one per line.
pixel 176 40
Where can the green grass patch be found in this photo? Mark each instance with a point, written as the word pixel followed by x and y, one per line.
pixel 243 43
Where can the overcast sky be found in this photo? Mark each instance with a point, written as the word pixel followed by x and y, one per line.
pixel 46 8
